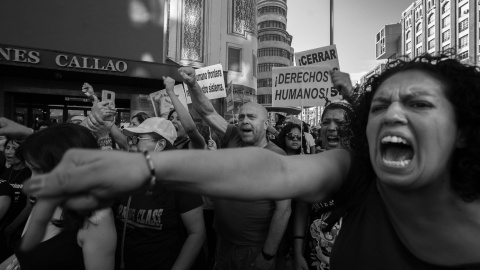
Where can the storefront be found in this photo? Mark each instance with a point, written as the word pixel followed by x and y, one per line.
pixel 38 85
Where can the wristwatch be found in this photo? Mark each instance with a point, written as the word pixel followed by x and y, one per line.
pixel 267 257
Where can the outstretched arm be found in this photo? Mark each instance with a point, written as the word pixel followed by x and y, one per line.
pixel 201 103
pixel 89 179
pixel 196 139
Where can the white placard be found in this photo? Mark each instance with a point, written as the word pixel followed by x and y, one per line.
pixel 211 81
pixel 302 86
pixel 162 104
pixel 324 56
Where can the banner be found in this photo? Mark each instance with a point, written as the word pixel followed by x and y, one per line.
pixel 211 81
pixel 302 86
pixel 229 97
pixel 324 56
pixel 162 104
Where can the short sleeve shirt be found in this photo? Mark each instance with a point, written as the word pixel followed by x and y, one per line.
pixel 241 222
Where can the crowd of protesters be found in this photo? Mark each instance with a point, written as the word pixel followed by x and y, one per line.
pixel 389 180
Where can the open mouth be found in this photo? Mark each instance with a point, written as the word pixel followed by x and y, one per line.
pixel 396 151
pixel 246 130
pixel 333 140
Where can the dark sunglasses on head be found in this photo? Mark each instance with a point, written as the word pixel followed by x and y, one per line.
pixel 292 136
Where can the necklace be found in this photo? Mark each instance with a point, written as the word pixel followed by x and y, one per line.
pixel 11 172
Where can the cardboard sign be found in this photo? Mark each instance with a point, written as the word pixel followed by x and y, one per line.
pixel 229 97
pixel 162 104
pixel 211 81
pixel 324 56
pixel 302 86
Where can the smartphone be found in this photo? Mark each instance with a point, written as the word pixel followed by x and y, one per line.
pixel 109 96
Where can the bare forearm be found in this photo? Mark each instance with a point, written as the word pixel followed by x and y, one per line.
pixel 23 216
pixel 253 173
pixel 120 139
pixel 278 224
pixel 300 215
pixel 189 252
pixel 215 167
pixel 200 102
pixel 187 122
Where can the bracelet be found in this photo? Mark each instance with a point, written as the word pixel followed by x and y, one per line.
pixel 105 142
pixel 153 177
pixel 299 237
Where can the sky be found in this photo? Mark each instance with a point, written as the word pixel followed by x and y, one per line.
pixel 356 22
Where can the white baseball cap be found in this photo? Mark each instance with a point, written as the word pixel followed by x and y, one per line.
pixel 158 125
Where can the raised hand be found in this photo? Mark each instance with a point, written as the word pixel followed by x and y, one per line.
pixel 188 75
pixel 169 84
pixel 342 82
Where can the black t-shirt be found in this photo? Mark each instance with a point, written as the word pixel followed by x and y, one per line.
pixel 367 239
pixel 155 232
pixel 2 162
pixel 16 178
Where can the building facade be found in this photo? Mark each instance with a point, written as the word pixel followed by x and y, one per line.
pixel 387 41
pixel 45 57
pixel 437 25
pixel 203 33
pixel 274 45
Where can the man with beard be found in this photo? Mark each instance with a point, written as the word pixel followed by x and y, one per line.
pixel 249 232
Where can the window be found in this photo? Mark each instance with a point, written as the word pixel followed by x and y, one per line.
pixel 418 28
pixel 264 83
pixel 419 39
pixel 408 35
pixel 420 50
pixel 431 44
pixel 463 55
pixel 446 21
pixel 446 47
pixel 463 42
pixel 431 31
pixel 234 59
pixel 264 99
pixel 265 67
pixel 431 18
pixel 463 10
pixel 446 36
pixel 275 24
pixel 446 8
pixel 463 25
pixel 408 46
pixel 272 9
pixel 275 52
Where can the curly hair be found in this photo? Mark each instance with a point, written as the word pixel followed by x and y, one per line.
pixel 280 140
pixel 462 84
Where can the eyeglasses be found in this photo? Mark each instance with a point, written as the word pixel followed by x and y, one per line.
pixel 135 139
pixel 292 136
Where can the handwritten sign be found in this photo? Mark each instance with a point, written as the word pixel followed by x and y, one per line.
pixel 211 81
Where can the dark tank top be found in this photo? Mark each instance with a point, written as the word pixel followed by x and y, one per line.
pixel 59 252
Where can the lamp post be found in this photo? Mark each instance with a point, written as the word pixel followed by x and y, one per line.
pixel 331 22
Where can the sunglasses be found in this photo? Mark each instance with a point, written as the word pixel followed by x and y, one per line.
pixel 292 136
pixel 133 140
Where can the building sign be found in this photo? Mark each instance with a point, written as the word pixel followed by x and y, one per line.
pixel 302 86
pixel 324 56
pixel 50 59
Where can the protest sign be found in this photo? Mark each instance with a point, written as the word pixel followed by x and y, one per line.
pixel 229 98
pixel 162 104
pixel 211 82
pixel 324 56
pixel 302 86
